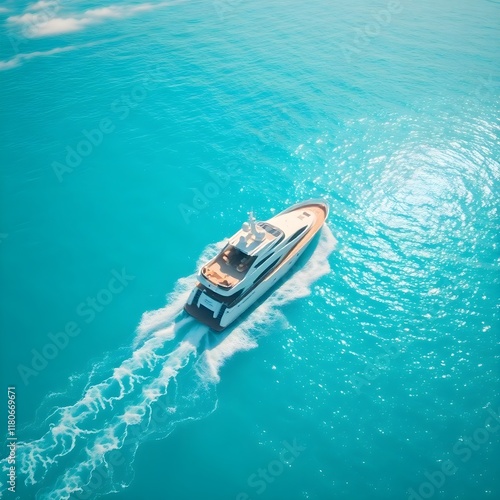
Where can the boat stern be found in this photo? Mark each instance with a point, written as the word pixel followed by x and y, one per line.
pixel 205 309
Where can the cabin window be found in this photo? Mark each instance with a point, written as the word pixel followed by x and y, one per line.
pixel 262 261
pixel 296 234
pixel 268 268
pixel 270 228
pixel 279 240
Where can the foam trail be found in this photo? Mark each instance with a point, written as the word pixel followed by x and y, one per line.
pixel 98 423
pixel 153 320
pixel 169 376
pixel 133 414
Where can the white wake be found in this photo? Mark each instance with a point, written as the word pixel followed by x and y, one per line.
pixel 169 376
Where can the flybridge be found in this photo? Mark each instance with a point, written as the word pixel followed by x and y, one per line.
pixel 252 237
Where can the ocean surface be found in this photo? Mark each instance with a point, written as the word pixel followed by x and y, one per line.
pixel 135 138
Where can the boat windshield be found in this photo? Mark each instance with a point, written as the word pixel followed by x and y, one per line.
pixel 270 229
pixel 237 259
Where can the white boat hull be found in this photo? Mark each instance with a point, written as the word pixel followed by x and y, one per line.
pixel 218 312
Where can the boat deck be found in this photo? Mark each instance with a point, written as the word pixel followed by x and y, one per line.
pixel 221 273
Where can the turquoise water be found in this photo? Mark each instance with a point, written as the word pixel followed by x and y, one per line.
pixel 136 137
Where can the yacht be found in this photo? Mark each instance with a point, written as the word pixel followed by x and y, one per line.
pixel 252 261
